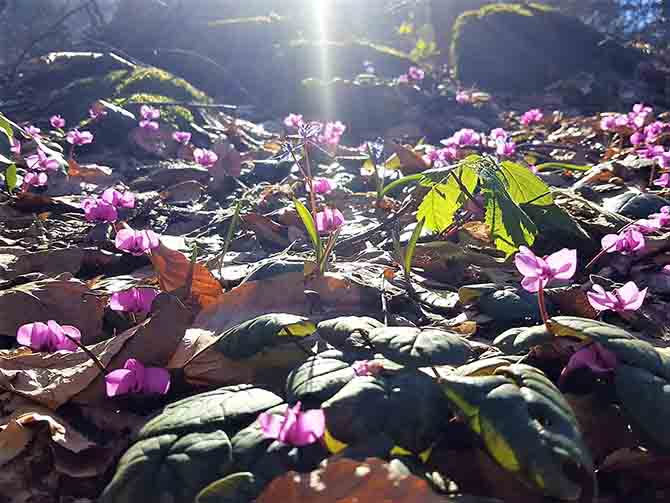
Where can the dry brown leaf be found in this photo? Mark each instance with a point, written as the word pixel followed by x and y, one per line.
pixel 16 261
pixel 152 342
pixel 267 230
pixel 347 480
pixel 69 302
pixel 285 293
pixel 88 173
pixel 173 269
pixel 411 161
pixel 52 379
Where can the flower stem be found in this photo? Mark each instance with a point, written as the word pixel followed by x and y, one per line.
pixel 543 308
pixel 88 352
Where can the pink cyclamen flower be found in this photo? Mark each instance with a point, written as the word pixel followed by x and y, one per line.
pixel 33 131
pixel 638 138
pixel 136 242
pixel 652 151
pixel 57 122
pixel 97 111
pixel 416 73
pixel 204 157
pixel 403 79
pixel 463 97
pixel 294 427
pixel 647 226
pixel 505 148
pixel 48 337
pixel 531 117
pixel 654 130
pixel 323 185
pixel 666 269
pixel 149 125
pixel 538 272
pixel 627 298
pixel 462 138
pixel 626 242
pixel 42 162
pixel 608 123
pixel 35 179
pixel 663 181
pixel 368 367
pixel 498 134
pixel 76 137
pixel 149 113
pixel 134 377
pixel 15 146
pixel 662 219
pixel 293 120
pixel 594 357
pixel 332 133
pixel 119 199
pixel 99 210
pixel 329 219
pixel 182 137
pixel 135 300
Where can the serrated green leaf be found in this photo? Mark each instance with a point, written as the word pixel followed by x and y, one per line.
pixel 310 226
pixel 411 247
pixel 510 226
pixel 523 186
pixel 443 201
pixel 11 180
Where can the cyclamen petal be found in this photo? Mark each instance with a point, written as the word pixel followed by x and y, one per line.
pixel 78 138
pixel 57 121
pixel 136 242
pixel 627 298
pixel 134 377
pixel 594 357
pixel 48 337
pixel 329 219
pixel 135 300
pixel 119 199
pixel 35 179
pixel 538 272
pixel 563 263
pixel 149 113
pixel 323 185
pixel 181 137
pixel 204 157
pixel 294 427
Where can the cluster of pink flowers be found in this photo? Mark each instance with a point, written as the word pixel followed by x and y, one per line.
pixel 329 133
pixel 532 116
pixel 149 118
pixel 538 272
pixel 39 165
pixel 104 208
pixel 498 140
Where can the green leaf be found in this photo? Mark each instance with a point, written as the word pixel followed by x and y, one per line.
pixel 414 347
pixel 401 181
pixel 6 127
pixel 11 179
pixel 310 226
pixel 510 226
pixel 523 186
pixel 527 428
pixel 226 489
pixel 411 247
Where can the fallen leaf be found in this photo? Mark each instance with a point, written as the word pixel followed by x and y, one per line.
pixel 347 480
pixel 68 302
pixel 174 268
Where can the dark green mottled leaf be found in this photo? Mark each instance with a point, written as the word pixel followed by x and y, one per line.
pixel 348 332
pixel 526 426
pixel 317 379
pixel 421 348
